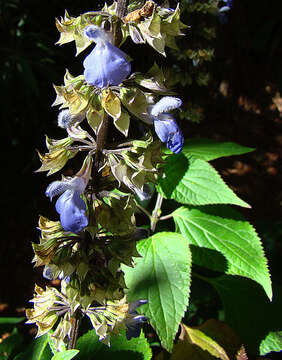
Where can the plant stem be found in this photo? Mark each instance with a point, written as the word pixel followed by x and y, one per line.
pixel 165 217
pixel 120 12
pixel 74 330
pixel 144 211
pixel 121 8
pixel 156 213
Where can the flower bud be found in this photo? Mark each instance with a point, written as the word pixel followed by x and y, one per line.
pixel 166 104
pixel 66 119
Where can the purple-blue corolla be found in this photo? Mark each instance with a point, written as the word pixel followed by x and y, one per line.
pixel 133 324
pixel 165 124
pixel 223 18
pixel 70 206
pixel 106 64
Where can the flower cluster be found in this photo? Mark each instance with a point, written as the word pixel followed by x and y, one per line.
pixel 96 232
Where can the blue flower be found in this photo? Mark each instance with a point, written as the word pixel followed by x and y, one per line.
pixel 70 206
pixel 106 64
pixel 165 124
pixel 222 16
pixel 134 323
pixel 48 274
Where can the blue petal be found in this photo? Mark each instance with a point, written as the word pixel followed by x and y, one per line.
pixel 56 188
pixel 169 132
pixel 72 210
pixel 47 273
pixel 60 203
pixel 106 65
pixel 175 142
pixel 224 8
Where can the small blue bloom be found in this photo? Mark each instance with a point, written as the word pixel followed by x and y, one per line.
pixel 222 16
pixel 66 119
pixel 106 64
pixel 134 323
pixel 165 124
pixel 48 274
pixel 70 206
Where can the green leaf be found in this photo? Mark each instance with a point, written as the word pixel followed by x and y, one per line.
pixel 249 312
pixel 65 355
pixel 11 320
pixel 195 182
pixel 91 348
pixel 36 351
pixel 162 276
pixel 220 230
pixel 10 345
pixel 208 149
pixel 7 323
pixel 272 342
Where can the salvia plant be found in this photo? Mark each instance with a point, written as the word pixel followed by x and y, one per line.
pixel 115 270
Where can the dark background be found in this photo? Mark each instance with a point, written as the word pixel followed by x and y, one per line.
pixel 236 105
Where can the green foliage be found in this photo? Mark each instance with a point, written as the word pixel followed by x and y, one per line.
pixel 250 313
pixel 11 345
pixel 65 355
pixel 272 342
pixel 94 263
pixel 208 149
pixel 162 276
pixel 194 181
pixel 221 230
pixel 7 323
pixel 91 348
pixel 38 349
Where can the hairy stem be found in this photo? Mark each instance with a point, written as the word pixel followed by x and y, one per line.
pixel 121 8
pixel 121 12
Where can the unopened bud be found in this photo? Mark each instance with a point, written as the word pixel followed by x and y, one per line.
pixel 66 119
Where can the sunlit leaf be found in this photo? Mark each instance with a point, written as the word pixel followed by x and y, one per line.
pixel 195 182
pixel 221 231
pixel 162 276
